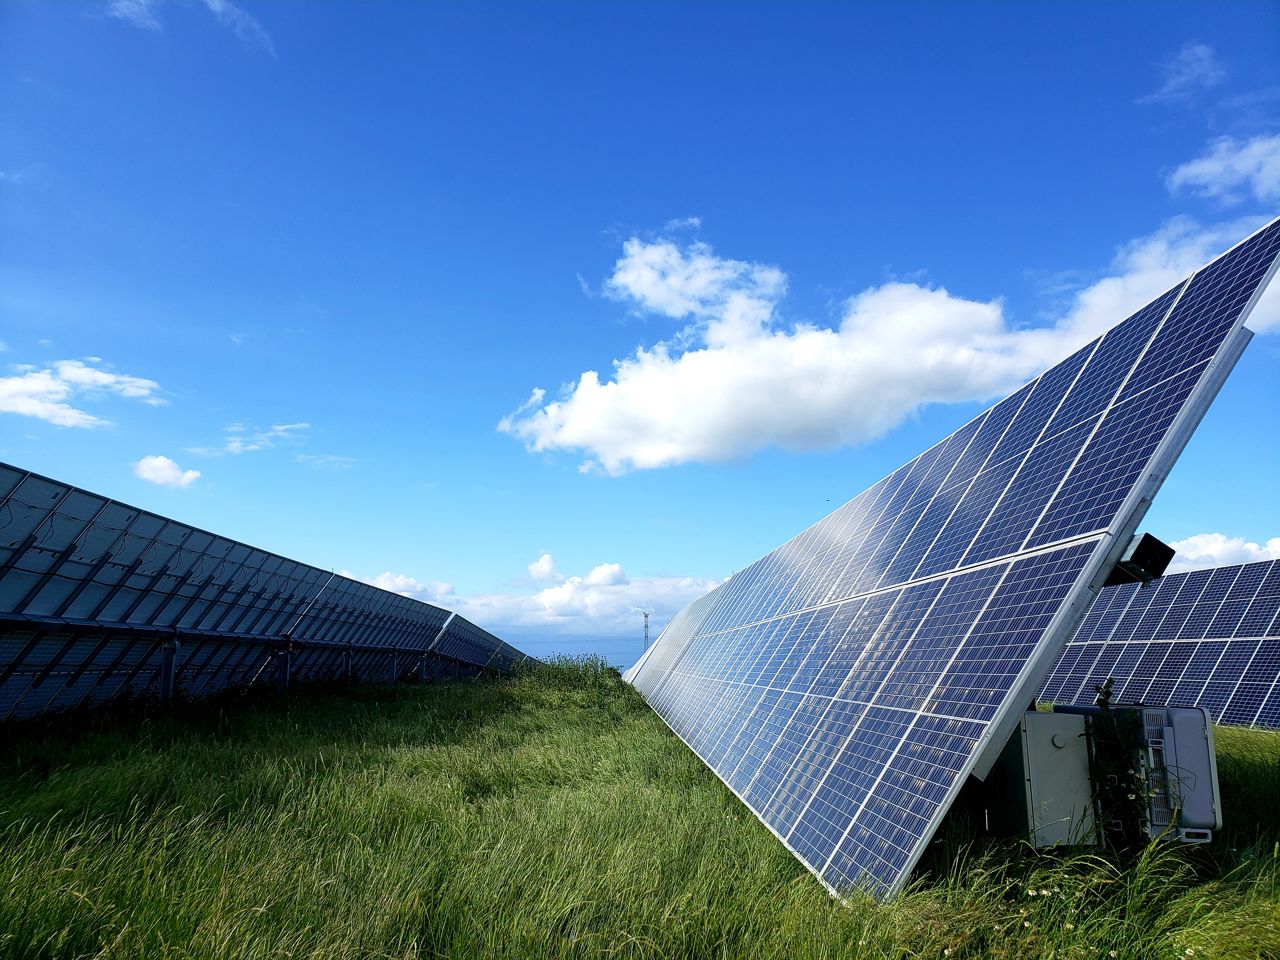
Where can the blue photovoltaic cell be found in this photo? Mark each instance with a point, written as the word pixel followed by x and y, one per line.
pixel 92 590
pixel 845 684
pixel 1208 638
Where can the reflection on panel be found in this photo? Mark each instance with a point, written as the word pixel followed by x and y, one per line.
pixel 1208 638
pixel 844 685
pixel 100 602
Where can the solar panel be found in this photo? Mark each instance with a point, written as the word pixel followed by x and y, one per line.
pixel 1208 638
pixel 846 684
pixel 94 593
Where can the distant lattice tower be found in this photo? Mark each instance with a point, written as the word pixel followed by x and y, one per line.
pixel 646 629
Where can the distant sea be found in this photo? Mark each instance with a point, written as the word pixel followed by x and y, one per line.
pixel 620 653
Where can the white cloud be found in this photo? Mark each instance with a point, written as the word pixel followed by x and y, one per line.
pixel 605 602
pixel 243 438
pixel 326 460
pixel 544 569
pixel 434 591
pixel 51 394
pixel 1193 69
pixel 734 381
pixel 1232 169
pixel 244 25
pixel 730 299
pixel 163 471
pixel 143 14
pixel 1217 550
pixel 587 605
pixel 1144 268
pixel 1266 315
pixel 606 575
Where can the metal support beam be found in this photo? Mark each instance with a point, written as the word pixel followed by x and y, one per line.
pixel 168 661
pixel 283 657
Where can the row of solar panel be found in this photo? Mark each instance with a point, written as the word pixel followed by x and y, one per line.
pixel 68 555
pixel 845 684
pixel 1208 638
pixel 89 585
pixel 73 669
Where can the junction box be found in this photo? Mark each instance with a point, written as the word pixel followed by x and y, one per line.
pixel 1042 786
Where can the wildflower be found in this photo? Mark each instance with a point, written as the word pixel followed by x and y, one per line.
pixel 1044 893
pixel 1031 892
pixel 1111 953
pixel 1133 796
pixel 1026 923
pixel 946 951
pixel 1190 952
pixel 1070 926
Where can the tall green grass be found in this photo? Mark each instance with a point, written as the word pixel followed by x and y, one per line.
pixel 546 815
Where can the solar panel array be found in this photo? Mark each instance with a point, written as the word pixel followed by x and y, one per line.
pixel 844 685
pixel 1208 638
pixel 100 601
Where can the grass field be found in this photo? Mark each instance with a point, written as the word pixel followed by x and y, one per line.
pixel 547 815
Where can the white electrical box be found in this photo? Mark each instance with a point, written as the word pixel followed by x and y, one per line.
pixel 1182 773
pixel 1042 785
pixel 1059 798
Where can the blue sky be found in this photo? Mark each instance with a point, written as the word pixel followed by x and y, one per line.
pixel 551 313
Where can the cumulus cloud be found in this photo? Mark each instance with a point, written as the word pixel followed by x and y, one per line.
pixel 606 575
pixel 603 602
pixel 1193 69
pixel 245 438
pixel 1217 549
pixel 164 472
pixel 730 300
pixel 1231 170
pixel 733 380
pixel 144 14
pixel 544 569
pixel 52 393
pixel 433 591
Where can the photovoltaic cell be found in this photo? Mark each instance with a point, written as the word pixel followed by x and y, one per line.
pixel 92 591
pixel 1207 638
pixel 846 684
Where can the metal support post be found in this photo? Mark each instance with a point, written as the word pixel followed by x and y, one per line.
pixel 168 662
pixel 284 659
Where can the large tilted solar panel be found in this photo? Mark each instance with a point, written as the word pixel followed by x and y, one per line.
pixel 1207 638
pixel 93 594
pixel 845 685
